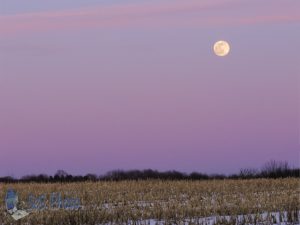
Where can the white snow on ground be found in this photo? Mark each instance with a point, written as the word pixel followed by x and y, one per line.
pixel 273 218
pixel 264 218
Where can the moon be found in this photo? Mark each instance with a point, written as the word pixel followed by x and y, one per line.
pixel 221 48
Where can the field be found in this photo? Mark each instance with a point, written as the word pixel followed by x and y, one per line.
pixel 257 201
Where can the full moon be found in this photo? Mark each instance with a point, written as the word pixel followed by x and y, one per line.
pixel 221 48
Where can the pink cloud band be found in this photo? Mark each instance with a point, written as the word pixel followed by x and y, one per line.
pixel 192 13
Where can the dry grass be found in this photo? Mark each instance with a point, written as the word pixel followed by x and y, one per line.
pixel 163 200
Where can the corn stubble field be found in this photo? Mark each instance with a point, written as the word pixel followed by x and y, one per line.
pixel 166 202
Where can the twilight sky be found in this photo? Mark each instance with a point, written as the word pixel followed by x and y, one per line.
pixel 95 85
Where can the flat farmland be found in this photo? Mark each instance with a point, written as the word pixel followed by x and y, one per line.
pixel 256 201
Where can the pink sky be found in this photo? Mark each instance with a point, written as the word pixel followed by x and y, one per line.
pixel 136 85
pixel 192 13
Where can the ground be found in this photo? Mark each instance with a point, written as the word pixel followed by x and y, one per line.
pixel 257 201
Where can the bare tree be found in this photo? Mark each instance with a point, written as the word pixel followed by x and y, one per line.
pixel 248 173
pixel 275 168
pixel 61 174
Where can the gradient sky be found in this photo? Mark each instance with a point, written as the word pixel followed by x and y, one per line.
pixel 91 86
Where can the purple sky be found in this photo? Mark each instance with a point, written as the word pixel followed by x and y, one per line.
pixel 91 86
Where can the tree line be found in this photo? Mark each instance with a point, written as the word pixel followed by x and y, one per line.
pixel 271 169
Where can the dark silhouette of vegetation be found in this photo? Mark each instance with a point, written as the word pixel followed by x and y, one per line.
pixel 7 179
pixel 272 169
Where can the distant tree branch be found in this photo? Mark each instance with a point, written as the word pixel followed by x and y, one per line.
pixel 271 169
